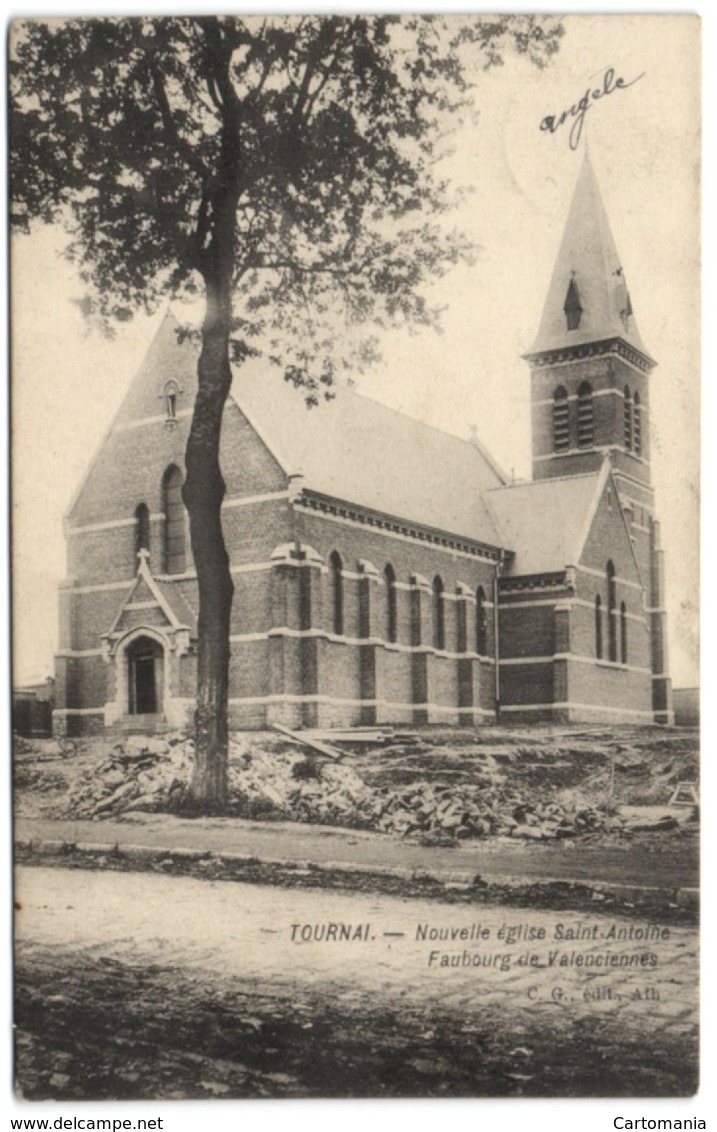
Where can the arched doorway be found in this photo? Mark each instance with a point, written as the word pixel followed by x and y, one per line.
pixel 145 672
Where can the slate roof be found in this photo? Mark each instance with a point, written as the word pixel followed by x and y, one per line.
pixel 143 589
pixel 351 448
pixel 357 451
pixel 544 522
pixel 174 598
pixel 354 449
pixel 588 257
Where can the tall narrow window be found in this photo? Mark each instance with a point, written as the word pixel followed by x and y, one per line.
pixel 572 306
pixel 598 627
pixel 304 596
pixel 637 426
pixel 627 419
pixel 585 416
pixel 174 522
pixel 439 615
pixel 141 530
pixel 364 607
pixel 561 422
pixel 415 613
pixel 419 659
pixel 461 623
pixel 623 632
pixel 481 623
pixel 170 393
pixel 611 612
pixel 337 593
pixel 389 578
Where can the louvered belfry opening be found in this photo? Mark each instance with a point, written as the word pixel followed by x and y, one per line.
pixel 627 419
pixel 586 431
pixel 561 420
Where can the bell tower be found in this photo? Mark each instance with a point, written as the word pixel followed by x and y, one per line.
pixel 590 395
pixel 589 368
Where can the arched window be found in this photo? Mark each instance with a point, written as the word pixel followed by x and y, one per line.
pixel 174 522
pixel 585 415
pixel 415 612
pixel 611 612
pixel 364 607
pixel 627 419
pixel 304 596
pixel 572 306
pixel 481 623
pixel 461 623
pixel 337 593
pixel 637 426
pixel 623 632
pixel 141 530
pixel 439 615
pixel 598 627
pixel 389 578
pixel 170 393
pixel 561 422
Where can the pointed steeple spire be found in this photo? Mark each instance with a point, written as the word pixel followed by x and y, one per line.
pixel 588 299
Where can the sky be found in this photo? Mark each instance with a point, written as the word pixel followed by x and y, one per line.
pixel 644 145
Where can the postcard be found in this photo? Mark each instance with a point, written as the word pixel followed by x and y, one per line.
pixel 355 468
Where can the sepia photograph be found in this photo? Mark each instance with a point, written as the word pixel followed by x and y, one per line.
pixel 355 454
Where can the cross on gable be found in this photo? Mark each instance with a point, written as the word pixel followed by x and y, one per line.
pixel 297 553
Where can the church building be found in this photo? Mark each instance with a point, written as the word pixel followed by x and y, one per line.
pixel 384 570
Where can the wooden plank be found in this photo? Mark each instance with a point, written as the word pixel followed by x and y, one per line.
pixel 327 732
pixel 349 735
pixel 313 744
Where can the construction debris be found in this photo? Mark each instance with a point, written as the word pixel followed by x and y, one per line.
pixel 140 773
pixel 150 775
pixel 455 813
pixel 306 741
pixel 685 794
pixel 435 787
pixel 351 736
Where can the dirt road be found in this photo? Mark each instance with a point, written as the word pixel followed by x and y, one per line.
pixel 136 985
pixel 633 863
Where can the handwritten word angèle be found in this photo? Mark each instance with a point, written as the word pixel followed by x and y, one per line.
pixel 577 112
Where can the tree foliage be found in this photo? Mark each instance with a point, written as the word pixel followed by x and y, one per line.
pixel 324 129
pixel 282 168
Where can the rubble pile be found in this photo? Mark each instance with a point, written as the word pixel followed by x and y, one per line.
pixel 150 775
pixel 644 778
pixel 453 812
pixel 277 781
pixel 140 773
pixel 284 783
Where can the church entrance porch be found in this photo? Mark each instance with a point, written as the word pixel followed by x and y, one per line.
pixel 141 669
pixel 145 659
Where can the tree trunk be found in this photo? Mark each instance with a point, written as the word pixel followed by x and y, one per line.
pixel 204 486
pixel 203 493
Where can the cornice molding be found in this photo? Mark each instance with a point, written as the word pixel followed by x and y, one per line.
pixel 313 501
pixel 564 354
pixel 531 582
